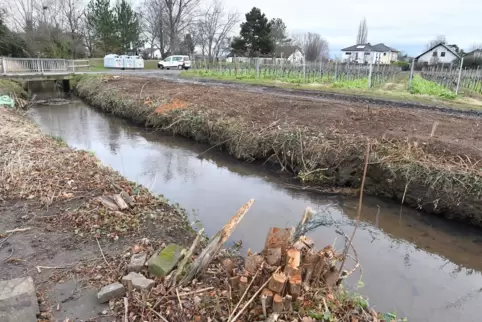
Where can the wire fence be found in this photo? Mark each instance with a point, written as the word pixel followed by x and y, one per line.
pixel 322 72
pixel 470 79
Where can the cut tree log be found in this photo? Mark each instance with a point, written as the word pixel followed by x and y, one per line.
pixel 273 256
pixel 279 238
pixel 278 303
pixel 107 202
pixel 120 202
pixel 321 266
pixel 208 253
pixel 234 281
pixel 128 199
pixel 288 303
pixel 293 260
pixel 243 284
pixel 277 282
pixel 331 278
pixel 228 266
pixel 268 294
pixel 252 263
pixel 309 264
pixel 294 285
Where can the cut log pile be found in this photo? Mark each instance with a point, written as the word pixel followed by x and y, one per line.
pixel 287 268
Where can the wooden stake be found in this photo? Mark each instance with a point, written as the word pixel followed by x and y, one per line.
pixel 263 304
pixel 208 254
pixel 288 303
pixel 268 294
pixel 309 264
pixel 234 281
pixel 294 284
pixel 278 304
pixel 277 282
pixel 293 260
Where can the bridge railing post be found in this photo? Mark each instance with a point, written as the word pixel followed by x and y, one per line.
pixel 4 66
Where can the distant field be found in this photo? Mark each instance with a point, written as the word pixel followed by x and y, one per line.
pixel 97 64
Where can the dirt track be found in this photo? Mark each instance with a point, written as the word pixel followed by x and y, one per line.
pixel 458 133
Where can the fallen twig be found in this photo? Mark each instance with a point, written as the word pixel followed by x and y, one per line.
pixel 187 257
pixel 192 292
pixel 17 230
pixel 100 248
pixel 126 309
pixel 245 292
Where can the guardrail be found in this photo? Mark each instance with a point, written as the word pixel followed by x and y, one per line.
pixel 35 66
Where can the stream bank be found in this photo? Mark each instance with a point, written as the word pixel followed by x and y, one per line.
pixel 427 160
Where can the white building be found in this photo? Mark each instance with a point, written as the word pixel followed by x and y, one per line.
pixel 440 53
pixel 282 55
pixel 368 53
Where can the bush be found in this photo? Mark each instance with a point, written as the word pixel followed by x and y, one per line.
pixel 405 65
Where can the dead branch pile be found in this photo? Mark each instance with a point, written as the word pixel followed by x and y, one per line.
pixel 289 280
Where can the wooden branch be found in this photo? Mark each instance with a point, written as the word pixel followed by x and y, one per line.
pixel 278 304
pixel 208 254
pixel 187 257
pixel 120 202
pixel 107 202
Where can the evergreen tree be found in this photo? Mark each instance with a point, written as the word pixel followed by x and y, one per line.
pixel 127 25
pixel 10 43
pixel 103 22
pixel 278 32
pixel 255 36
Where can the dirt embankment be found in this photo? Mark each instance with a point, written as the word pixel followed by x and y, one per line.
pixel 53 224
pixel 427 159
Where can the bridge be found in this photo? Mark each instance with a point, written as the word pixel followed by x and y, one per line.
pixel 41 69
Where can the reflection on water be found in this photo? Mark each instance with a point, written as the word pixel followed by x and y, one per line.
pixel 418 265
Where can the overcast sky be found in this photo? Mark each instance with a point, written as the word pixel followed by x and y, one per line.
pixel 405 25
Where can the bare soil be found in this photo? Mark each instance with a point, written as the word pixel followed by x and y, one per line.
pixel 453 133
pixel 47 192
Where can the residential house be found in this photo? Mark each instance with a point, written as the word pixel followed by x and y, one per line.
pixel 438 54
pixel 282 55
pixel 368 53
pixel 473 59
pixel 474 54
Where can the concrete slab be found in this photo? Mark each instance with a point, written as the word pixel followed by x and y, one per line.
pixel 18 300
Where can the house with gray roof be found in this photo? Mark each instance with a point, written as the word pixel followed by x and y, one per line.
pixel 366 53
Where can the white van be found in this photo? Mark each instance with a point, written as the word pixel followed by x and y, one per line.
pixel 175 61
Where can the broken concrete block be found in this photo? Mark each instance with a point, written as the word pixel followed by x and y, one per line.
pixel 142 283
pixel 137 262
pixel 163 263
pixel 130 277
pixel 110 292
pixel 18 300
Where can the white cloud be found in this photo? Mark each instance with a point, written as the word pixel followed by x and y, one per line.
pixel 406 25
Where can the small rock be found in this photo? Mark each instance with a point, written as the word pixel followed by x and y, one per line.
pixel 131 276
pixel 142 283
pixel 104 312
pixel 163 263
pixel 137 262
pixel 110 292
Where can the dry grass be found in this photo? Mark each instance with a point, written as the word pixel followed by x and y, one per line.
pixel 440 182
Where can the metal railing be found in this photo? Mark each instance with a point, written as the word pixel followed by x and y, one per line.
pixel 41 66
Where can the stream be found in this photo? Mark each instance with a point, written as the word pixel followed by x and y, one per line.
pixel 417 265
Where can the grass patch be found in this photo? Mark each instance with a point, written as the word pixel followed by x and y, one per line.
pixel 425 87
pixel 12 88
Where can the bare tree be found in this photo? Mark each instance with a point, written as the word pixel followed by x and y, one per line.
pixel 154 25
pixel 214 26
pixel 440 39
pixel 73 12
pixel 313 45
pixel 179 16
pixel 362 36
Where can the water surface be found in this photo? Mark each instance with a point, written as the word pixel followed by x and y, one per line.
pixel 417 265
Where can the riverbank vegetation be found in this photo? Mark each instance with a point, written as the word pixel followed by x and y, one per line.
pixel 425 159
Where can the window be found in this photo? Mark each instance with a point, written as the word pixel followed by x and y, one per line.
pixel 434 54
pixel 366 54
pixel 347 53
pixel 442 54
pixel 384 54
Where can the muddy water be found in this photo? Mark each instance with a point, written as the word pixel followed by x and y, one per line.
pixel 417 265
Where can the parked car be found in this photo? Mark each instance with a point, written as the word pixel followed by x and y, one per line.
pixel 176 61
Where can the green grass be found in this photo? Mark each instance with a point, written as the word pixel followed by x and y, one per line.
pixel 9 87
pixel 97 64
pixel 425 87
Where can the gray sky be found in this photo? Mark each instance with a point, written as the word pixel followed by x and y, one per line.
pixel 405 25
